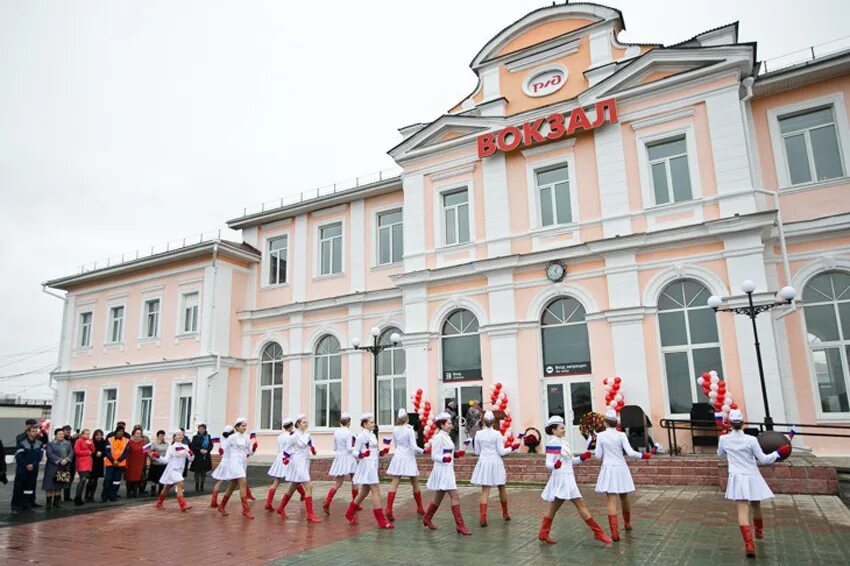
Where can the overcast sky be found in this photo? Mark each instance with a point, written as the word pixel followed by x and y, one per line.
pixel 128 123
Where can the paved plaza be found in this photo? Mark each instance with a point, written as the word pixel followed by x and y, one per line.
pixel 672 525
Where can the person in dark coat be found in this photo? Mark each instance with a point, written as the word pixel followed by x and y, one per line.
pixel 97 463
pixel 28 455
pixel 60 454
pixel 3 478
pixel 201 445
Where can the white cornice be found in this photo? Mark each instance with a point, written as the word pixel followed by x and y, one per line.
pixel 527 61
pixel 146 368
pixel 546 148
pixel 321 304
pixel 669 117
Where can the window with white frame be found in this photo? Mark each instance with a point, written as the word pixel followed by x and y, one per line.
pixel 690 344
pixel 392 383
pixel 566 347
pixel 116 323
pixel 278 248
pixel 390 237
pixel 553 194
pixel 78 409
pixel 330 249
pixel 461 347
pixel 826 306
pixel 151 320
pixel 668 168
pixel 109 398
pixel 456 217
pixel 85 329
pixel 327 381
pixel 189 312
pixel 271 387
pixel 183 408
pixel 810 141
pixel 144 406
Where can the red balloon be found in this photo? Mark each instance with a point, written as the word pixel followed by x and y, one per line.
pixel 706 375
pixel 733 406
pixel 498 387
pixel 418 393
pixel 604 381
pixel 617 380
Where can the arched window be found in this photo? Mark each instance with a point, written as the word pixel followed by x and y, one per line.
pixel 566 349
pixel 327 381
pixel 461 347
pixel 689 341
pixel 271 386
pixel 826 305
pixel 392 386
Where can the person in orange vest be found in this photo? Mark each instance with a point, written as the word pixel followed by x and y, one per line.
pixel 114 464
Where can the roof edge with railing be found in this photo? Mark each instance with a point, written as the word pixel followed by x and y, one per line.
pixel 804 56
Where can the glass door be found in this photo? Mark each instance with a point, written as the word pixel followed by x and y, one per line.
pixel 456 398
pixel 571 400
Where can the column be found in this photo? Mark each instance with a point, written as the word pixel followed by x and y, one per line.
pixel 357 254
pixel 414 222
pixel 301 274
pixel 496 206
pixel 611 172
pixel 502 333
pixel 416 338
pixel 358 362
pixel 296 355
pixel 730 152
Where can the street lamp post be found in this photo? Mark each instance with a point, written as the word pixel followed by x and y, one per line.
pixel 376 349
pixel 783 297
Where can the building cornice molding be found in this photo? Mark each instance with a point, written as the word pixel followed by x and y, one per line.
pixel 133 369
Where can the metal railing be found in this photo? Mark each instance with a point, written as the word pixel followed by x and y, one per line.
pixel 326 190
pixel 804 55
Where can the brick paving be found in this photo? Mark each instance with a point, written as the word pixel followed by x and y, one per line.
pixel 673 525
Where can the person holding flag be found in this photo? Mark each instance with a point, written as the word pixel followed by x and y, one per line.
pixel 344 464
pixel 562 483
pixel 442 478
pixel 490 470
pixel 366 452
pixel 223 450
pixel 298 468
pixel 252 438
pixel 175 461
pixel 403 463
pixel 235 466
pixel 278 467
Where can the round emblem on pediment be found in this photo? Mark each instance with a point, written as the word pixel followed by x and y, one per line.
pixel 543 82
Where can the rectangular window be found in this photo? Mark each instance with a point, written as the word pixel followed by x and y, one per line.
pixel 456 217
pixel 145 406
pixel 183 409
pixel 151 329
pixel 190 303
pixel 116 324
pixel 553 193
pixel 811 145
pixel 390 237
pixel 78 408
pixel 330 249
pixel 668 163
pixel 278 248
pixel 110 400
pixel 85 329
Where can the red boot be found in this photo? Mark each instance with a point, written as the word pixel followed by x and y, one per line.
pixel 282 506
pixel 598 533
pixel 460 527
pixel 160 502
pixel 749 545
pixel 311 517
pixel 390 501
pixel 351 513
pixel 354 493
pixel 417 496
pixel 214 500
pixel 251 495
pixel 627 520
pixel 270 499
pixel 545 527
pixel 482 514
pixel 505 515
pixel 759 528
pixel 182 502
pixel 302 492
pixel 246 511
pixel 426 520
pixel 382 520
pixel 326 506
pixel 222 506
pixel 615 531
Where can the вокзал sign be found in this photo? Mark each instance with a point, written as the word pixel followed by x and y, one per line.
pixel 556 127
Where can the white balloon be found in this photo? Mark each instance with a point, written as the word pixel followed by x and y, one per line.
pixel 607 388
pixel 612 404
pixel 713 373
pixel 714 387
pixel 700 380
pixel 715 379
pixel 712 395
pixel 618 397
pixel 726 408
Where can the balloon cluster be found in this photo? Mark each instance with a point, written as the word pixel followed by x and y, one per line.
pixel 499 402
pixel 426 417
pixel 715 389
pixel 613 395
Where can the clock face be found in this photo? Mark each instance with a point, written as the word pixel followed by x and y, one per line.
pixel 555 272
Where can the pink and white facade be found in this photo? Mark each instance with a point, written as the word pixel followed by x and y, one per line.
pixel 707 174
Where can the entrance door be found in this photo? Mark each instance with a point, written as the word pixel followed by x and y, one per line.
pixel 570 399
pixel 456 398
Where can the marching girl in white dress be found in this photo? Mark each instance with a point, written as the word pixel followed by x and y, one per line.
pixel 442 478
pixel 278 468
pixel 562 483
pixel 344 463
pixel 223 447
pixel 298 470
pixel 615 479
pixel 403 463
pixel 490 470
pixel 366 476
pixel 175 461
pixel 238 449
pixel 746 486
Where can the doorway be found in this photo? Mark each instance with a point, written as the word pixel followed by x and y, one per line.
pixel 570 399
pixel 456 398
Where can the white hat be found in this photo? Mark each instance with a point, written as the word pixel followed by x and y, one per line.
pixel 344 416
pixel 736 416
pixel 401 414
pixel 555 419
pixel 286 421
pixel 301 417
pixel 176 432
pixel 366 417
pixel 228 429
pixel 611 415
pixel 489 416
pixel 240 420
pixel 444 416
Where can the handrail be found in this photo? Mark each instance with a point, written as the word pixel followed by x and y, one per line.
pixel 805 55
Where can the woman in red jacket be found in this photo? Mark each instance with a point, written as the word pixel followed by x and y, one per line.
pixel 83 450
pixel 136 459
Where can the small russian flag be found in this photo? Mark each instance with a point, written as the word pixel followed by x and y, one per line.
pixel 253 435
pixel 792 433
pixel 147 448
pixel 467 442
pixel 521 435
pixel 718 417
pixel 553 449
pixel 353 441
pixel 215 440
pixel 447 450
pixel 286 454
pixel 180 448
pixel 388 441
